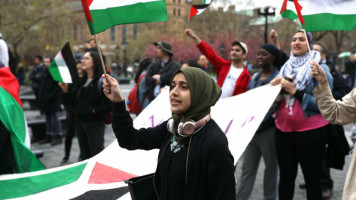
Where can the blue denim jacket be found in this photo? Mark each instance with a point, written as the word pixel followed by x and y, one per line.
pixel 268 120
pixel 308 104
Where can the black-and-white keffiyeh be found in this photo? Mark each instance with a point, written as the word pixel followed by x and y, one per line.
pixel 298 68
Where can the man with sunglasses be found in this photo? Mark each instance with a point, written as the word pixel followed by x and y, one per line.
pixel 233 76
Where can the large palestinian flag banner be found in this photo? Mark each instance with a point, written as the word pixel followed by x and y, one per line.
pixel 102 177
pixel 12 117
pixel 103 14
pixel 322 15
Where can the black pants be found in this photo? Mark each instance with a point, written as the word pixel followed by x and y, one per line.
pixel 307 149
pixel 70 124
pixel 326 181
pixel 90 137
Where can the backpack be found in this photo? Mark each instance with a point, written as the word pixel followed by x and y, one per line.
pixel 132 100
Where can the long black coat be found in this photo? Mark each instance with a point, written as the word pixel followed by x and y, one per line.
pixel 210 169
pixel 48 98
pixel 83 100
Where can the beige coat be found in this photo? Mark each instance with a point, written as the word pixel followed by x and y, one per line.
pixel 340 112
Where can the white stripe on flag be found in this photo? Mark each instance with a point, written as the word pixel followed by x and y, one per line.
pixel 65 74
pixel 311 7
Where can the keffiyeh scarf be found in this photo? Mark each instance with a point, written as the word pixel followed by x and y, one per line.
pixel 298 68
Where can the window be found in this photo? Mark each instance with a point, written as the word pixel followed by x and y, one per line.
pixel 80 32
pixel 113 34
pixel 174 12
pixel 178 12
pixel 178 1
pixel 135 31
pixel 124 34
pixel 74 32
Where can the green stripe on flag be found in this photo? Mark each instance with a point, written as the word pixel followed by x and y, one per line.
pixel 136 13
pixel 54 71
pixel 21 187
pixel 13 118
pixel 328 21
pixel 289 14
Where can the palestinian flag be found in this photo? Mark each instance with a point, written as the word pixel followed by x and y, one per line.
pixel 63 67
pixel 198 9
pixel 321 15
pixel 103 14
pixel 13 118
pixel 100 177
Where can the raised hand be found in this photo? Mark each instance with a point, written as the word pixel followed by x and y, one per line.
pixel 189 32
pixel 63 86
pixel 111 89
pixel 318 73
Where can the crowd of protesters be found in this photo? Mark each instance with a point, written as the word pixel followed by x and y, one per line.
pixel 294 132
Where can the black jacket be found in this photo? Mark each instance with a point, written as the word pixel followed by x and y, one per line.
pixel 7 156
pixel 48 99
pixel 87 99
pixel 165 72
pixel 340 85
pixel 210 171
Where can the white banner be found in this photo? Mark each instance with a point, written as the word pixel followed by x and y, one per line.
pixel 238 116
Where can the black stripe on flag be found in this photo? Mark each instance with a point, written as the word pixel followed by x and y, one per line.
pixel 110 194
pixel 203 6
pixel 69 59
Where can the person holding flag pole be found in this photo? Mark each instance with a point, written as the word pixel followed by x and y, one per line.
pixel 301 130
pixel 301 134
pixel 337 112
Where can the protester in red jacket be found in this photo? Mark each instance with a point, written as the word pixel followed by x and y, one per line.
pixel 233 76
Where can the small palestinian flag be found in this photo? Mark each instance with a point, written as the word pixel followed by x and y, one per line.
pixel 63 68
pixel 103 14
pixel 198 9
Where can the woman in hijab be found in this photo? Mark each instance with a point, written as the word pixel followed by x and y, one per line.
pixel 301 130
pixel 263 143
pixel 194 164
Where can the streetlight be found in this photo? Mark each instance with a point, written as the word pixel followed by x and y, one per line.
pixel 222 50
pixel 117 49
pixel 267 11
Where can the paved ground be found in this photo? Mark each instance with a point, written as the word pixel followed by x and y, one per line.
pixel 54 154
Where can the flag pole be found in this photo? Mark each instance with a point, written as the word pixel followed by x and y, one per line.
pixel 305 35
pixel 100 54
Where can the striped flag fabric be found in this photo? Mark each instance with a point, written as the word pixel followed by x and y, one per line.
pixel 322 15
pixel 13 118
pixel 63 67
pixel 103 14
pixel 198 9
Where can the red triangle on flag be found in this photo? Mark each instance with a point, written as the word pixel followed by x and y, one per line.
pixel 86 4
pixel 193 12
pixel 102 174
pixel 298 7
pixel 9 82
